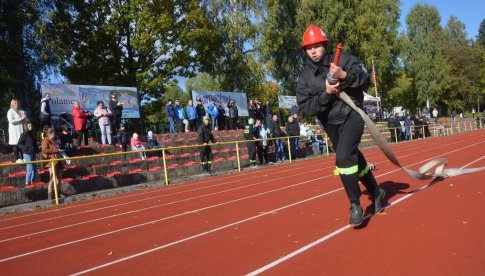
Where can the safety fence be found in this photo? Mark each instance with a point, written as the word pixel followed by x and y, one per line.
pixel 434 131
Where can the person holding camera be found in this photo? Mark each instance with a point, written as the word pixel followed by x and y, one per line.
pixel 233 115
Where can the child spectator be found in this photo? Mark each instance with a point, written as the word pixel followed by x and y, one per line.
pixel 123 140
pixel 50 151
pixel 152 141
pixel 137 145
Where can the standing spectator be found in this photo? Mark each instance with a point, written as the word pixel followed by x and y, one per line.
pixel 103 114
pixel 205 137
pixel 453 115
pixel 435 113
pixel 293 129
pixel 116 108
pixel 425 122
pixel 233 115
pixel 473 112
pixel 251 110
pixel 179 115
pixel 80 119
pixel 258 110
pixel 50 151
pixel 152 141
pixel 221 118
pixel 397 125
pixel 16 119
pixel 251 134
pixel 268 114
pixel 294 109
pixel 137 145
pixel 295 118
pixel 123 138
pixel 213 113
pixel 275 130
pixel 191 115
pixel 200 113
pixel 28 144
pixel 45 111
pixel 170 114
pixel 390 127
pixel 407 125
pixel 262 146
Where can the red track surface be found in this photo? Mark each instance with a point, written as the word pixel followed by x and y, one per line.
pixel 238 223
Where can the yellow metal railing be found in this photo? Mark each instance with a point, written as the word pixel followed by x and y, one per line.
pixel 435 128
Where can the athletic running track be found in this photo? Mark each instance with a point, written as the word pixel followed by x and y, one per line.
pixel 290 219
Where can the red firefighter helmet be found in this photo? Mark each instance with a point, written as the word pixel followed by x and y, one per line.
pixel 312 35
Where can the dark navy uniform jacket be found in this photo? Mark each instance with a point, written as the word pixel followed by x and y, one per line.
pixel 314 101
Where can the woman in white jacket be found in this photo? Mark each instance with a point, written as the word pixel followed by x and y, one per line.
pixel 16 118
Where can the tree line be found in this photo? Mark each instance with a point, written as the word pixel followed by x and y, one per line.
pixel 251 46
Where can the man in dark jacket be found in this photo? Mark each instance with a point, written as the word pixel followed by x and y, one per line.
pixel 233 115
pixel 293 129
pixel 318 97
pixel 205 137
pixel 170 114
pixel 275 131
pixel 268 114
pixel 390 127
pixel 116 108
pixel 200 110
pixel 29 147
pixel 45 111
pixel 221 118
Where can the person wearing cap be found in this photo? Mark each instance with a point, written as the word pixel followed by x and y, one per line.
pixel 251 134
pixel 317 97
pixel 205 138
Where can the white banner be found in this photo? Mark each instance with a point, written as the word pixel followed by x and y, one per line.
pixel 286 101
pixel 64 95
pixel 223 98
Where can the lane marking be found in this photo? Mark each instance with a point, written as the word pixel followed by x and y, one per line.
pixel 245 220
pixel 342 229
pixel 174 202
pixel 182 185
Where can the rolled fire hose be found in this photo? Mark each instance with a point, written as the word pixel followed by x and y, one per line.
pixel 440 163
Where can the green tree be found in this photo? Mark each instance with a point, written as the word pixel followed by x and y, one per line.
pixel 279 44
pixel 130 42
pixel 423 55
pixel 481 33
pixel 154 110
pixel 24 60
pixel 461 89
pixel 237 66
pixel 202 81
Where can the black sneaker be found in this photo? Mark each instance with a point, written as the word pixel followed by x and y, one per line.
pixel 378 208
pixel 356 215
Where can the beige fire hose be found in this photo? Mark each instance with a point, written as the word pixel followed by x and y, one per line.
pixel 439 163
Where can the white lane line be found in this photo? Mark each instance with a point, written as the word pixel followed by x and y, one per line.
pixel 340 230
pixel 151 222
pixel 396 148
pixel 165 204
pixel 158 206
pixel 400 147
pixel 245 220
pixel 178 186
